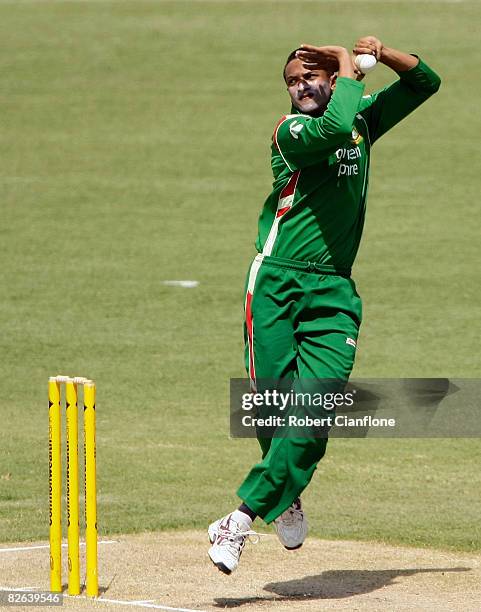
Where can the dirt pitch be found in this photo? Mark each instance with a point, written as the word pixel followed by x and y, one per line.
pixel 170 571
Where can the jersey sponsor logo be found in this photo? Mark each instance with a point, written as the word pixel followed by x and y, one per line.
pixel 351 342
pixel 294 128
pixel 346 158
pixel 348 153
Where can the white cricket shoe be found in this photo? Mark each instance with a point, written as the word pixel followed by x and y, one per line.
pixel 228 537
pixel 291 526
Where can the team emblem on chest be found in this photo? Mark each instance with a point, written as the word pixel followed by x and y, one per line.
pixel 355 136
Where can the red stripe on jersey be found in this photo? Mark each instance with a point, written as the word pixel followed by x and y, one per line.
pixel 277 125
pixel 250 336
pixel 291 186
pixel 281 211
pixel 274 136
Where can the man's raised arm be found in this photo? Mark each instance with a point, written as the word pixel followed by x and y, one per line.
pixel 383 109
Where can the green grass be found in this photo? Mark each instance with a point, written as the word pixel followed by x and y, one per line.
pixel 134 139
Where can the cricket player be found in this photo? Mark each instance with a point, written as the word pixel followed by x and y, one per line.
pixel 302 310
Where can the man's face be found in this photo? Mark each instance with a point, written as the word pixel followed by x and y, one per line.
pixel 310 90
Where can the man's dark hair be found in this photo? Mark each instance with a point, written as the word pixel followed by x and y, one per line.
pixel 290 57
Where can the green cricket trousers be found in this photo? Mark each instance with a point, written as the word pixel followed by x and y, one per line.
pixel 301 323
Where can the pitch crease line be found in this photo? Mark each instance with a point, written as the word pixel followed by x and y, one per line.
pixel 136 602
pixel 41 546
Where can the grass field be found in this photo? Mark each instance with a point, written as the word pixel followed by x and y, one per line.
pixel 135 148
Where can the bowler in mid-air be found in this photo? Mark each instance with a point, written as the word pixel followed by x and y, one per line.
pixel 302 310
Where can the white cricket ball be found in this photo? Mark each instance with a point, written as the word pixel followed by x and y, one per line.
pixel 365 62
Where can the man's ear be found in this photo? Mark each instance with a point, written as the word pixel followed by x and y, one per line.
pixel 332 81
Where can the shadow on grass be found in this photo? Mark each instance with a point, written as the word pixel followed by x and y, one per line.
pixel 334 584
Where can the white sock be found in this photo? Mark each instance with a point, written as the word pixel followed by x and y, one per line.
pixel 242 517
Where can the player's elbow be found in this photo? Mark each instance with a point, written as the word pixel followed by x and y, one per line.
pixel 436 83
pixel 432 84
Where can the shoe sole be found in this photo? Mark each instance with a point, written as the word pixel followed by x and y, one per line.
pixel 222 568
pixel 294 547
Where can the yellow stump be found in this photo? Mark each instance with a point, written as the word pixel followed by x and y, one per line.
pixel 55 485
pixel 73 528
pixel 90 489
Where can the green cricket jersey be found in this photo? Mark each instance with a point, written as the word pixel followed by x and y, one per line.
pixel 321 168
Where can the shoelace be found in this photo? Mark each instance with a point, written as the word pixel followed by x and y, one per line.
pixel 235 540
pixel 253 536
